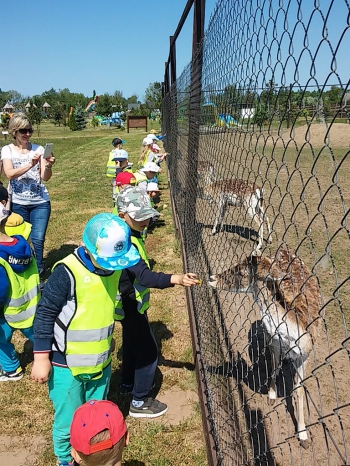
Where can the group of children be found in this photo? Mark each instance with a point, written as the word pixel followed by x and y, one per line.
pixel 146 176
pixel 71 321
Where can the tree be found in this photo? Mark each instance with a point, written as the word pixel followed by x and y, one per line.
pixel 35 116
pixel 79 118
pixel 5 119
pixel 72 125
pixel 94 122
pixel 153 94
pixel 58 113
pixel 104 105
pixel 132 99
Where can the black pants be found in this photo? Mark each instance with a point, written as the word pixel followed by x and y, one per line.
pixel 140 352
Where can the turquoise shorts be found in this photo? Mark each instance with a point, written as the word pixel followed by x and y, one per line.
pixel 67 393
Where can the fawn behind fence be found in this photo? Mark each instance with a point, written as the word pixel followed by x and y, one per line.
pixel 258 131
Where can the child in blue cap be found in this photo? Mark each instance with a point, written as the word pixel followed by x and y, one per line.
pixel 74 324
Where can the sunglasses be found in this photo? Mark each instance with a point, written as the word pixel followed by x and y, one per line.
pixel 26 130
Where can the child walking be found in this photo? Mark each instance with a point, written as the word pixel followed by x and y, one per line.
pixel 19 296
pixel 140 351
pixel 74 323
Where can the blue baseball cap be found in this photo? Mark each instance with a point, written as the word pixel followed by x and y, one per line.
pixel 107 238
pixel 118 141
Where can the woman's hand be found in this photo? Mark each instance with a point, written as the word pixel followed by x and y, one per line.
pixel 35 159
pixel 51 160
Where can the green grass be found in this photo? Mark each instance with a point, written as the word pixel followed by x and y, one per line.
pixel 79 189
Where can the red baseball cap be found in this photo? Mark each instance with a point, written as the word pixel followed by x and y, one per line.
pixel 92 418
pixel 125 178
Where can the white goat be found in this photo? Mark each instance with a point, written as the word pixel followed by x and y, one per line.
pixel 235 192
pixel 289 301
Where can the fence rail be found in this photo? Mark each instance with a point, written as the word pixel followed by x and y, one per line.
pixel 260 118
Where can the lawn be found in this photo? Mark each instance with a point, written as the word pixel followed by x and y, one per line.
pixel 79 189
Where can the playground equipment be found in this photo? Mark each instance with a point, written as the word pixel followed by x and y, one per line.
pixel 222 119
pixel 114 119
pixel 91 105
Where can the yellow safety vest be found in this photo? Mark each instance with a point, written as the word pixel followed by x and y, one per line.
pixel 145 158
pixel 139 178
pixel 21 306
pixel 142 293
pixel 83 329
pixel 111 166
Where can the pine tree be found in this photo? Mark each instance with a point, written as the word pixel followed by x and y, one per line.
pixel 79 118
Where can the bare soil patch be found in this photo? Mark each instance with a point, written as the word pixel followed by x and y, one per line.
pixel 19 451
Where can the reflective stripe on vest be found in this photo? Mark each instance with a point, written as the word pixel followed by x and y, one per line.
pixel 142 294
pixel 83 330
pixel 20 308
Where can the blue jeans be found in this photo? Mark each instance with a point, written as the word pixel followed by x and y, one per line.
pixel 8 356
pixel 38 215
pixel 67 393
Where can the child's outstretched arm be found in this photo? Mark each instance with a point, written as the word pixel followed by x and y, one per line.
pixel 186 279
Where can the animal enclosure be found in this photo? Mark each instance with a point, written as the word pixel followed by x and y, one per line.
pixel 275 58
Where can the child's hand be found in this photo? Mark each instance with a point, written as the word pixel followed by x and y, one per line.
pixel 41 368
pixel 186 279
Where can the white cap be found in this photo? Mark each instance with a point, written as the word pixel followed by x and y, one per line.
pixel 152 136
pixel 4 213
pixel 150 167
pixel 147 141
pixel 120 154
pixel 152 186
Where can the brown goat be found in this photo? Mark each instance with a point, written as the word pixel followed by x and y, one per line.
pixel 289 300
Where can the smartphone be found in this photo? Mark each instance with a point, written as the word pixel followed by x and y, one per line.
pixel 48 150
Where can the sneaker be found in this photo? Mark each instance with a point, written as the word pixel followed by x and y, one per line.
pixel 11 376
pixel 150 408
pixel 65 463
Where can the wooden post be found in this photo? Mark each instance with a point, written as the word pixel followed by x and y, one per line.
pixel 194 117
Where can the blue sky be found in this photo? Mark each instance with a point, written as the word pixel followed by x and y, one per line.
pixel 122 45
pixel 87 45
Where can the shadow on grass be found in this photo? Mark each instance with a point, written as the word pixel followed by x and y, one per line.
pixel 161 333
pixel 26 357
pixel 58 254
pixel 244 232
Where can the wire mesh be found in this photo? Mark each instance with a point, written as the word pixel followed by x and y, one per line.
pixel 268 141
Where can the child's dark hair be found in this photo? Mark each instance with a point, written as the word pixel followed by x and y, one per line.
pixel 117 141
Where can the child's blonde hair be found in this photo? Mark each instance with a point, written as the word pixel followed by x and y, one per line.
pixel 108 457
pixel 144 150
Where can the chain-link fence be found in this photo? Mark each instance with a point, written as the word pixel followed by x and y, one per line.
pixel 258 130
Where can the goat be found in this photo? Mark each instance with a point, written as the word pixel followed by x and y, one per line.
pixel 238 193
pixel 289 301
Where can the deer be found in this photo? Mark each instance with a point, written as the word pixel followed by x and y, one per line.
pixel 206 175
pixel 236 192
pixel 289 301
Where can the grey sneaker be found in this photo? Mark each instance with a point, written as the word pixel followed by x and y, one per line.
pixel 150 408
pixel 12 376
